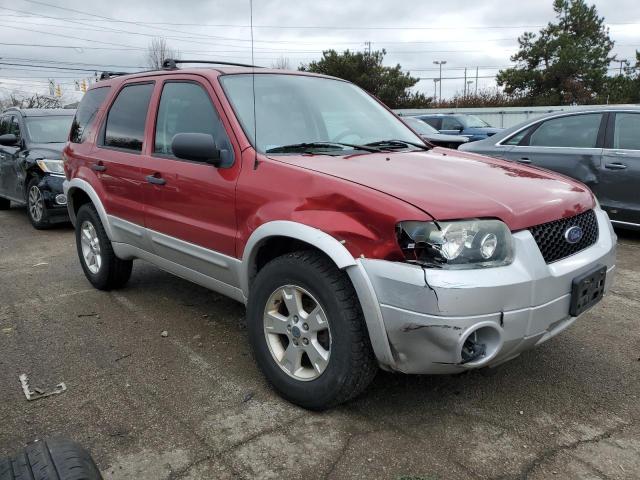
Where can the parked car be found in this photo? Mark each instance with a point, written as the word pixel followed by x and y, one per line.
pixel 31 173
pixel 598 146
pixel 470 126
pixel 352 243
pixel 430 134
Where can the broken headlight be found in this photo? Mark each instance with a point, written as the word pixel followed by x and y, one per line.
pixel 51 166
pixel 459 244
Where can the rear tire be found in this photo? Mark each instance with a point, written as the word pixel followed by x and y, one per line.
pixel 55 459
pixel 102 268
pixel 314 370
pixel 36 210
pixel 5 204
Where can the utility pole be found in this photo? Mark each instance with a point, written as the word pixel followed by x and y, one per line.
pixel 465 81
pixel 368 45
pixel 435 84
pixel 476 81
pixel 621 62
pixel 440 63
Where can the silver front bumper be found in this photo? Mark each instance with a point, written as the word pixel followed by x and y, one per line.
pixel 428 314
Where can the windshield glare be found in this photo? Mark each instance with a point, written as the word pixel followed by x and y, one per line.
pixel 50 129
pixel 471 121
pixel 293 109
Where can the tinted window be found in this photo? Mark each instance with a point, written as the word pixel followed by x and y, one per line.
pixel 50 129
pixel 86 112
pixel 578 131
pixel 434 122
pixel 627 131
pixel 4 125
pixel 450 123
pixel 186 108
pixel 127 116
pixel 14 126
pixel 517 138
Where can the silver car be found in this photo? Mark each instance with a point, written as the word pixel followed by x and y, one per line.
pixel 600 146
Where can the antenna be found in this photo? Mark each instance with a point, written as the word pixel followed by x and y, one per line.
pixel 253 86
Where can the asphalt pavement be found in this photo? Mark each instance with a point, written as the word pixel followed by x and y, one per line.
pixel 193 405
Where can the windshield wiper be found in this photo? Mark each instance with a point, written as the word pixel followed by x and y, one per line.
pixel 390 144
pixel 294 147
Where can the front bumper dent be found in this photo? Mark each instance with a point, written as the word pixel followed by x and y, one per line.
pixel 428 314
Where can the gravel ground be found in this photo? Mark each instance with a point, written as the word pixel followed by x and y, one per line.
pixel 193 405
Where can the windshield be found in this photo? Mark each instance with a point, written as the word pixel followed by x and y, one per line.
pixel 471 121
pixel 419 126
pixel 297 109
pixel 49 129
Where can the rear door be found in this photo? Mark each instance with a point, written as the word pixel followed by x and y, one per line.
pixel 451 126
pixel 117 158
pixel 619 188
pixel 190 205
pixel 570 144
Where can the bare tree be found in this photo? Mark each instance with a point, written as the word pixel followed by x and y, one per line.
pixel 34 101
pixel 281 63
pixel 158 51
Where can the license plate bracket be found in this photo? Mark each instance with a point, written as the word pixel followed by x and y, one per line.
pixel 587 290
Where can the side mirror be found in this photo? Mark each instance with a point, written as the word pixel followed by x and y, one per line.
pixel 199 147
pixel 8 140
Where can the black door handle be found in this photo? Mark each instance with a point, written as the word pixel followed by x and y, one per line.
pixel 615 166
pixel 524 160
pixel 98 167
pixel 156 180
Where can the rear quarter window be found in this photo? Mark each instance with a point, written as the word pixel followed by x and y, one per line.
pixel 89 106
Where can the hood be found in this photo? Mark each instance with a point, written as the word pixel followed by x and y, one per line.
pixel 442 137
pixel 449 185
pixel 45 150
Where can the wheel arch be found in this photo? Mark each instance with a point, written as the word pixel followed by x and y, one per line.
pixel 296 236
pixel 78 193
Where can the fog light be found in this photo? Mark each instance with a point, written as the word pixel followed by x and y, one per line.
pixel 61 199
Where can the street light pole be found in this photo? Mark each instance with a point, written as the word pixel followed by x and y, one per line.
pixel 435 84
pixel 440 63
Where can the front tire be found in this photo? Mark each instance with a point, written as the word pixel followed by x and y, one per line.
pixel 102 268
pixel 36 209
pixel 308 332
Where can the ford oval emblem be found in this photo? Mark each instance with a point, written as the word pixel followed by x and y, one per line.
pixel 573 234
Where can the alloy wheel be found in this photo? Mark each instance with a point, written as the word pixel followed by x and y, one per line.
pixel 90 247
pixel 36 204
pixel 297 332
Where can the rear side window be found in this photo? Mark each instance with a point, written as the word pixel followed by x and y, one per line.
pixel 434 122
pixel 87 110
pixel 450 123
pixel 577 131
pixel 185 107
pixel 626 134
pixel 127 116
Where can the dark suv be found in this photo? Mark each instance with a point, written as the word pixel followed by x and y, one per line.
pixel 31 173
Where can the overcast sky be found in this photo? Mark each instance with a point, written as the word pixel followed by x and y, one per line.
pixel 100 35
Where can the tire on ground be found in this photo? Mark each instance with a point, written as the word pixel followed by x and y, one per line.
pixel 5 204
pixel 113 272
pixel 43 222
pixel 352 364
pixel 53 459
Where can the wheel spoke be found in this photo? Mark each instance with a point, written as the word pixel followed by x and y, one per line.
pixel 292 359
pixel 317 320
pixel 275 323
pixel 293 300
pixel 318 356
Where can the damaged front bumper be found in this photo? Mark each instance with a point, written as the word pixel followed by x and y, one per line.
pixel 55 200
pixel 448 321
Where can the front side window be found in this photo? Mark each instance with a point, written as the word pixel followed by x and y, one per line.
pixel 185 107
pixel 294 109
pixel 127 117
pixel 89 106
pixel 471 121
pixel 50 129
pixel 4 125
pixel 577 131
pixel 450 123
pixel 626 134
pixel 14 126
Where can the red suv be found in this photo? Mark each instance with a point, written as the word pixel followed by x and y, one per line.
pixel 353 243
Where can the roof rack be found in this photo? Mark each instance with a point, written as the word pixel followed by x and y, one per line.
pixel 172 64
pixel 108 75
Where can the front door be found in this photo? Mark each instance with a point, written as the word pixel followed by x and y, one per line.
pixel 11 176
pixel 571 145
pixel 620 174
pixel 190 206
